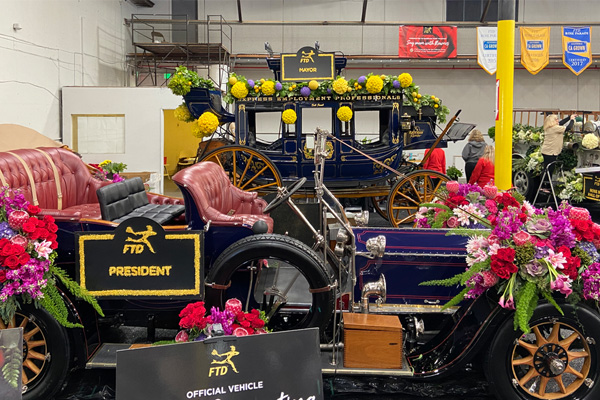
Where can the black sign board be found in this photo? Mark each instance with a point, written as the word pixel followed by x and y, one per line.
pixel 140 259
pixel 308 63
pixel 275 366
pixel 11 363
pixel 591 187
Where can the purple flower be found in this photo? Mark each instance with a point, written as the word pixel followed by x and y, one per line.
pixel 305 91
pixel 536 268
pixel 590 249
pixel 362 80
pixel 278 86
pixel 396 84
pixel 250 83
pixel 561 233
pixel 477 288
pixel 510 303
pixel 328 90
pixel 5 231
pixel 465 188
pixel 591 282
pixel 540 227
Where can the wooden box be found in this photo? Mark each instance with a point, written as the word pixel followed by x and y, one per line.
pixel 372 341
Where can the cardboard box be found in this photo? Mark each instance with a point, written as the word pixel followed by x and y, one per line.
pixel 372 341
pixel 144 175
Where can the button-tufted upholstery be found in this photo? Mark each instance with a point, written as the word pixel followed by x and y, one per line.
pixel 217 200
pixel 77 184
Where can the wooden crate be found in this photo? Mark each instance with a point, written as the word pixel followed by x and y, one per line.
pixel 372 341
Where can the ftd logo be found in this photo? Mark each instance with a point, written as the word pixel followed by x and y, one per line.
pixel 226 359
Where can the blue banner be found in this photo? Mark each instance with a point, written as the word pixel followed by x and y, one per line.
pixel 577 49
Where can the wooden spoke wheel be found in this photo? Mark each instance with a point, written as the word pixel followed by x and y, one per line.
pixel 410 192
pixel 46 352
pixel 558 359
pixel 380 205
pixel 552 362
pixel 247 168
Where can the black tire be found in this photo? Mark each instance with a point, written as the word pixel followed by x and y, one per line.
pixel 46 352
pixel 239 259
pixel 507 365
pixel 526 184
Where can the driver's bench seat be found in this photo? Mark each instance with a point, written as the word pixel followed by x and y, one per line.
pixel 210 196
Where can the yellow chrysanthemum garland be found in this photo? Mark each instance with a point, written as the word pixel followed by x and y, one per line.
pixel 405 80
pixel 289 116
pixel 239 90
pixel 205 125
pixel 340 86
pixel 344 113
pixel 268 88
pixel 374 84
pixel 183 114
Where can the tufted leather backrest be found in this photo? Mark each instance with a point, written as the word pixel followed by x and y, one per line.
pixel 114 201
pixel 76 182
pixel 137 192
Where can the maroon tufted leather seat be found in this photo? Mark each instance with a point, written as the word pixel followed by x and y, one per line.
pixel 217 200
pixel 77 185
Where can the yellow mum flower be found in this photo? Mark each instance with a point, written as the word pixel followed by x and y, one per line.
pixel 374 84
pixel 182 113
pixel 313 85
pixel 205 125
pixel 239 90
pixel 268 88
pixel 340 86
pixel 289 116
pixel 405 80
pixel 105 162
pixel 344 113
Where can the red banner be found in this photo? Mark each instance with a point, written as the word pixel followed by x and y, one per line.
pixel 427 42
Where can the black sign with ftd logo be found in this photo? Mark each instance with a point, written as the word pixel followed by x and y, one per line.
pixel 275 366
pixel 140 259
pixel 308 63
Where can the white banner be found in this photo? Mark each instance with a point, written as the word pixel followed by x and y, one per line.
pixel 487 43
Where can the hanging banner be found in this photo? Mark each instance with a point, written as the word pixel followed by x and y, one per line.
pixel 535 44
pixel 577 49
pixel 427 42
pixel 487 43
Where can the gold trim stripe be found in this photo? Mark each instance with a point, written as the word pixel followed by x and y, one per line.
pixel 56 177
pixel 29 176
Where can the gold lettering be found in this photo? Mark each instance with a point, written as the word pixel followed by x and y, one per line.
pixel 119 271
pixel 111 271
pixel 143 270
pixel 127 271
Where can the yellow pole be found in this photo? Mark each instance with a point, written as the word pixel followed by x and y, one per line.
pixel 505 71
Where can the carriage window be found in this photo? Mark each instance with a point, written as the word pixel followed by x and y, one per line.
pixel 268 125
pixel 313 118
pixel 366 126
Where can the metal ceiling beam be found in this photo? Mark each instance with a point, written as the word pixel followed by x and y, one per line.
pixel 364 12
pixel 485 11
pixel 239 6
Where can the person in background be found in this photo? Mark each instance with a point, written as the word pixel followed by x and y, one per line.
pixel 484 169
pixel 437 160
pixel 553 137
pixel 473 151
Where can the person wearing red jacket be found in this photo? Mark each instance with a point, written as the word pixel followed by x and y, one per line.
pixel 437 161
pixel 484 170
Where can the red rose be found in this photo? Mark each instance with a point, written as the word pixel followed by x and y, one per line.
pixel 39 223
pixel 245 324
pixel 4 242
pixel 24 258
pixel 259 323
pixel 505 254
pixel 565 251
pixel 41 233
pixel 17 249
pixel 6 250
pixel 35 235
pixel 52 227
pixel 52 237
pixel 29 226
pixel 502 269
pixel 31 209
pixel 48 219
pixel 54 245
pixel 571 267
pixel 2 275
pixel 12 262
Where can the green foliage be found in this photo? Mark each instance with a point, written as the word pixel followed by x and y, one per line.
pixel 75 289
pixel 183 80
pixel 8 308
pixel 526 302
pixel 470 232
pixel 454 173
pixel 492 133
pixel 524 254
pixel 440 218
pixel 12 365
pixel 456 299
pixel 551 300
pixel 436 205
pixel 459 279
pixel 568 158
pixel 55 305
pixel 585 258
pixel 163 342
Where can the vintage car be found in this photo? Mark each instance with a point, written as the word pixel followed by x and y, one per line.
pixel 229 250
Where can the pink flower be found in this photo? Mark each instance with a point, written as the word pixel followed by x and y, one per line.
pixel 452 222
pixel 233 305
pixel 509 304
pixel 239 331
pixel 521 238
pixel 562 283
pixel 556 259
pixel 20 240
pixel 491 206
pixel 43 249
pixel 489 278
pixel 182 336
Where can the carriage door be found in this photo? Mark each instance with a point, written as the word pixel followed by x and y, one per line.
pixel 313 116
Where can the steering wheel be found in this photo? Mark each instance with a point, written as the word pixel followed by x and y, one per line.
pixel 284 193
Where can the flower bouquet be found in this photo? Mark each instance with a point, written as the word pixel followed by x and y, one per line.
pixel 27 253
pixel 198 325
pixel 526 253
pixel 108 170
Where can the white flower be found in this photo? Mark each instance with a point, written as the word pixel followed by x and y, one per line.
pixel 556 259
pixel 43 249
pixel 590 141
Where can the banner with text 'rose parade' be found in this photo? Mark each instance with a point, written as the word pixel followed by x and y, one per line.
pixel 577 49
pixel 535 43
pixel 427 42
pixel 487 43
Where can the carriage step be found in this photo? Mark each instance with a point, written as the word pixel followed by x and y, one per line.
pixel 338 368
pixel 106 356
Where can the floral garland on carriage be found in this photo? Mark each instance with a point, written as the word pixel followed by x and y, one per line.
pixel 523 252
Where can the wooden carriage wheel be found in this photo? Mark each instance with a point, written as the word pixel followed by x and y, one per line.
pixel 551 362
pixel 247 168
pixel 410 192
pixel 380 205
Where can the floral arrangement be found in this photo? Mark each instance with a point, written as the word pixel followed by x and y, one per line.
pixel 182 113
pixel 454 173
pixel 205 125
pixel 571 187
pixel 27 254
pixel 183 80
pixel 590 141
pixel 108 170
pixel 238 87
pixel 525 253
pixel 289 116
pixel 344 113
pixel 198 325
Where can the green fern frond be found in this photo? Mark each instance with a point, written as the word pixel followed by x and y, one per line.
pixel 456 299
pixel 526 303
pixel 55 305
pixel 551 300
pixel 75 289
pixel 12 365
pixel 436 205
pixel 469 232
